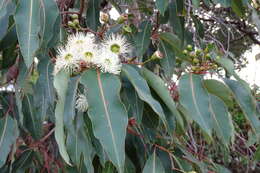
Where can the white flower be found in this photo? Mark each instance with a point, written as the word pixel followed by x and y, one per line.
pixel 109 62
pixel 66 60
pixel 80 39
pixel 117 44
pixel 82 103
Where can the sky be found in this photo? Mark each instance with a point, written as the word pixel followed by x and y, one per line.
pixel 251 73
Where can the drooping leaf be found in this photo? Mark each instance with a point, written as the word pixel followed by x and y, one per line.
pixel 142 39
pixel 219 89
pixel 27 20
pixel 247 103
pixel 176 19
pixel 153 165
pixel 134 105
pixel 238 7
pixel 196 100
pixel 168 61
pixel 8 135
pixel 79 144
pixel 61 81
pixel 92 15
pixel 173 41
pixel 162 5
pixel 222 120
pixel 7 8
pixel 143 90
pixel 49 15
pixel 159 86
pixel 44 89
pixel 107 114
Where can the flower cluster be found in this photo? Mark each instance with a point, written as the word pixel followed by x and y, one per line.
pixel 82 48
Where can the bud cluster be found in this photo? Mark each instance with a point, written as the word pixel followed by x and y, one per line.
pixel 200 60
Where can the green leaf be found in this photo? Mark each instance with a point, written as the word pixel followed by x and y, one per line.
pixel 69 110
pixel 92 15
pixel 195 99
pixel 134 105
pixel 153 165
pixel 143 90
pixel 27 19
pixel 142 38
pixel 162 5
pixel 247 103
pixel 159 87
pixel 79 144
pixel 222 120
pixel 8 135
pixel 7 8
pixel 61 81
pixel 49 15
pixel 44 89
pixel 176 19
pixel 196 3
pixel 238 7
pixel 227 64
pixel 168 61
pixel 107 114
pixel 219 89
pixel 173 41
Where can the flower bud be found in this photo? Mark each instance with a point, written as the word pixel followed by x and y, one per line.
pixel 71 24
pixel 189 47
pixel 127 28
pixel 195 60
pixel 157 55
pixel 74 16
pixel 104 17
pixel 207 56
pixel 122 18
pixel 185 52
pixel 76 22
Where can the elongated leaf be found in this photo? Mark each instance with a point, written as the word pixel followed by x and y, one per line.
pixel 153 165
pixel 159 86
pixel 168 61
pixel 44 89
pixel 143 90
pixel 27 19
pixel 238 7
pixel 61 81
pixel 173 41
pixel 49 14
pixel 79 145
pixel 219 89
pixel 134 105
pixel 107 114
pixel 8 135
pixel 7 8
pixel 246 102
pixel 92 16
pixel 222 120
pixel 69 110
pixel 162 5
pixel 196 100
pixel 176 20
pixel 142 39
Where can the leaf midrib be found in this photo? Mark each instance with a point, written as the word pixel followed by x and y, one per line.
pixel 194 100
pixel 4 130
pixel 107 115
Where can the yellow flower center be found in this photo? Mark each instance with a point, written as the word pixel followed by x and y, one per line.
pixel 88 55
pixel 115 48
pixel 68 57
pixel 79 41
pixel 108 61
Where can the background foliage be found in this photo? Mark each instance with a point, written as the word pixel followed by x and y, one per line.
pixel 141 120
